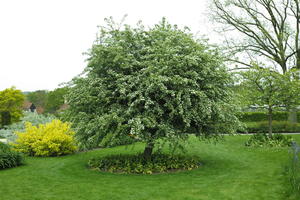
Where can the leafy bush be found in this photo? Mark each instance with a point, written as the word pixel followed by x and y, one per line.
pixel 277 126
pixel 263 116
pixel 50 139
pixel 35 119
pixel 9 158
pixel 138 164
pixel 267 140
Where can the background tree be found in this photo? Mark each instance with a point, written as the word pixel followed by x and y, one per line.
pixel 270 28
pixel 155 85
pixel 11 101
pixel 266 87
pixel 38 98
pixel 55 99
pixel 271 33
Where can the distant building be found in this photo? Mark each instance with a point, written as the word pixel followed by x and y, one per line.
pixel 30 107
pixel 26 105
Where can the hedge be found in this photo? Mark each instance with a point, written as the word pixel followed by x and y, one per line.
pixel 277 126
pixel 263 116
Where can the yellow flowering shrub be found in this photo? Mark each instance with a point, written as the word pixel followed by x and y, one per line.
pixel 51 139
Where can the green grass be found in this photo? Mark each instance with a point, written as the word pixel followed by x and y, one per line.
pixel 229 171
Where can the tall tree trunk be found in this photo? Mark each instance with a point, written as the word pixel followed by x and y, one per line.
pixel 148 149
pixel 298 60
pixel 270 115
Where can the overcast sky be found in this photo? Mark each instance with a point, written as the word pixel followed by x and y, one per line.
pixel 42 41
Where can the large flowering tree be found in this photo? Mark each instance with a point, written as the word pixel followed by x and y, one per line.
pixel 156 84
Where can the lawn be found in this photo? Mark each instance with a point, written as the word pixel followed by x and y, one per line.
pixel 229 171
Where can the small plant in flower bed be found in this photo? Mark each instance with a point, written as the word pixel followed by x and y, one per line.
pixel 139 164
pixel 269 140
pixel 9 158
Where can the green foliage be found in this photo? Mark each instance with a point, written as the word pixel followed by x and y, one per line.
pixel 49 100
pixel 11 101
pixel 152 84
pixel 9 158
pixel 253 116
pixel 261 86
pixel 263 116
pixel 55 99
pixel 38 98
pixel 138 164
pixel 266 87
pixel 51 139
pixel 293 172
pixel 109 141
pixel 35 119
pixel 267 140
pixel 278 127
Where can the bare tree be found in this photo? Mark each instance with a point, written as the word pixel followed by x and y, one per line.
pixel 270 28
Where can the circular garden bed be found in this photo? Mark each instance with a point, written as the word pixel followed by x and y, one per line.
pixel 139 164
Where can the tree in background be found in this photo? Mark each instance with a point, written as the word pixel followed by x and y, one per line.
pixel 55 99
pixel 270 28
pixel 38 98
pixel 270 33
pixel 154 85
pixel 266 87
pixel 11 101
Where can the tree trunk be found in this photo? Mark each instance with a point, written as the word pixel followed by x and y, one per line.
pixel 148 150
pixel 270 115
pixel 298 59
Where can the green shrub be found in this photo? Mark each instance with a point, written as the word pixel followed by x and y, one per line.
pixel 138 164
pixel 9 158
pixel 267 140
pixel 277 126
pixel 263 116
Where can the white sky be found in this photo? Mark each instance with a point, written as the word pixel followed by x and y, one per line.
pixel 42 41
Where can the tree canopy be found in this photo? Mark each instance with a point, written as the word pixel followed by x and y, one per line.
pixel 156 84
pixel 11 101
pixel 38 98
pixel 55 99
pixel 268 88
